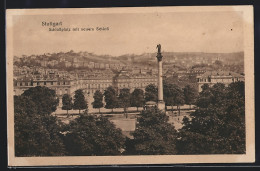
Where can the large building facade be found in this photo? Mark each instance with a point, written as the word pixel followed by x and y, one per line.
pixel 214 77
pixel 89 85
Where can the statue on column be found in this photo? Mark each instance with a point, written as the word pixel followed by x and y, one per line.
pixel 159 55
pixel 159 48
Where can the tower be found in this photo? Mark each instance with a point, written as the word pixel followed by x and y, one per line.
pixel 160 103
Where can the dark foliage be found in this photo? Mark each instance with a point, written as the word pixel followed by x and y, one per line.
pixel 45 99
pixel 173 95
pixel 67 103
pixel 111 98
pixel 80 102
pixel 153 135
pixel 137 98
pixel 190 95
pixel 151 92
pixel 124 98
pixel 218 125
pixel 98 100
pixel 35 134
pixel 93 136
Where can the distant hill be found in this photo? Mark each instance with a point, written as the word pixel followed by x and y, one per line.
pixel 143 59
pixel 150 58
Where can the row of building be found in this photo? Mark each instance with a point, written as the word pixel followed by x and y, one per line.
pixel 88 84
pixel 123 80
pixel 213 77
pixel 41 73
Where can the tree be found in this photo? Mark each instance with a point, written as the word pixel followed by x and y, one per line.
pixel 173 95
pixel 98 100
pixel 79 101
pixel 205 96
pixel 111 98
pixel 219 126
pixel 137 98
pixel 124 99
pixel 211 95
pixel 169 94
pixel 219 93
pixel 190 95
pixel 153 134
pixel 67 103
pixel 44 98
pixel 178 98
pixel 90 135
pixel 35 134
pixel 151 93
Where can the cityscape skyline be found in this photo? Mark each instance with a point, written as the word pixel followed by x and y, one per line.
pixel 115 56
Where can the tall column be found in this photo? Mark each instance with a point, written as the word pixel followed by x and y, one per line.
pixel 160 81
pixel 160 103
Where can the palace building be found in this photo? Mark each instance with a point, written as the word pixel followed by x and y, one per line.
pixel 89 84
pixel 213 77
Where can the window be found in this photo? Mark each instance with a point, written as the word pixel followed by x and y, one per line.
pixel 21 84
pixel 38 83
pixel 26 84
pixel 44 83
pixel 51 83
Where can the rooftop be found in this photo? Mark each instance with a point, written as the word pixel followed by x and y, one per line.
pixel 221 73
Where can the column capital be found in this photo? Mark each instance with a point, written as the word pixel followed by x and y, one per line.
pixel 159 56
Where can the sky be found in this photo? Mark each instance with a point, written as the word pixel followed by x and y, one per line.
pixel 133 33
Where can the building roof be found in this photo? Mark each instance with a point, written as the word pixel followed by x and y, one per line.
pixel 221 73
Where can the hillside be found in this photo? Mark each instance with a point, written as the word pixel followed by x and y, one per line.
pixel 143 59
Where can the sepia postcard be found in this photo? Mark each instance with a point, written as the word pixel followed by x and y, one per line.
pixel 130 86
